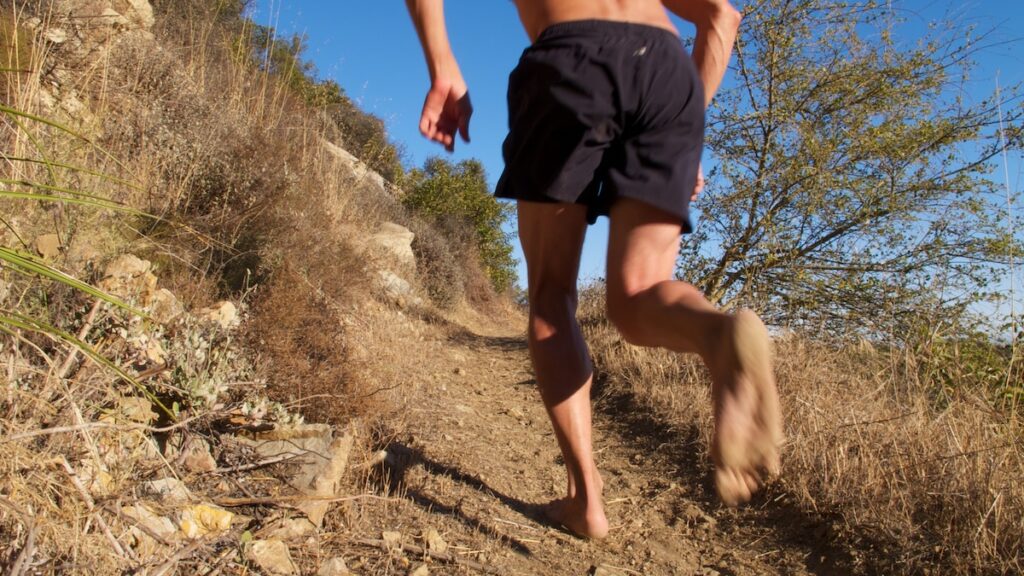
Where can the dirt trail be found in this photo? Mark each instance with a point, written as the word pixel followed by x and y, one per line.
pixel 480 458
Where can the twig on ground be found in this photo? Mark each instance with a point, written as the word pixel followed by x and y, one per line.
pixel 255 465
pixel 24 557
pixel 141 526
pixel 69 362
pixel 442 556
pixel 100 426
pixel 516 524
pixel 275 500
pixel 91 505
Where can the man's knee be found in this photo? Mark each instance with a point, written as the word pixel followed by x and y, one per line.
pixel 551 306
pixel 623 313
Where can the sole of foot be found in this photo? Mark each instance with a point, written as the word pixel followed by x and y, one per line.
pixel 749 422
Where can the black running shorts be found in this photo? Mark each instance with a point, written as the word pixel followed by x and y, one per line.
pixel 600 110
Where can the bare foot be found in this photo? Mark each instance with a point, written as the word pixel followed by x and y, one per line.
pixel 574 515
pixel 748 422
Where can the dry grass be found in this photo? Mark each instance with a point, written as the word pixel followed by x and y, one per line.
pixel 252 208
pixel 920 489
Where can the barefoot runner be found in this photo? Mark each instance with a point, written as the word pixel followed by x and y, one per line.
pixel 606 117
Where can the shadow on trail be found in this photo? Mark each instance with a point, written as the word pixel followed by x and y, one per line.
pixel 679 454
pixel 473 341
pixel 403 458
pixel 462 336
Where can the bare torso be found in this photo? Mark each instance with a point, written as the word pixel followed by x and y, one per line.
pixel 537 15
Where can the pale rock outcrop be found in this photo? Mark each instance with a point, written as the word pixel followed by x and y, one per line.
pixel 360 171
pixel 394 241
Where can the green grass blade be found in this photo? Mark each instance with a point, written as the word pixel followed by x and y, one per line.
pixel 38 145
pixel 74 168
pixel 61 189
pixel 25 323
pixel 19 113
pixel 29 264
pixel 93 203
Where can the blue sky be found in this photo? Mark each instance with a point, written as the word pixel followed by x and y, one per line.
pixel 371 50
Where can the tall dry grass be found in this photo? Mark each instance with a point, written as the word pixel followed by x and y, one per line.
pixel 910 485
pixel 250 206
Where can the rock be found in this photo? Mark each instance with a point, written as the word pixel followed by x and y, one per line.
pixel 55 36
pixel 136 409
pixel 113 18
pixel 318 461
pixel 95 478
pixel 141 14
pixel 356 167
pixel 421 570
pixel 196 456
pixel 202 519
pixel 328 477
pixel 169 490
pixel 393 285
pixel 694 516
pixel 393 540
pixel 129 277
pixel 162 526
pixel 272 556
pixel 289 529
pixel 48 246
pixel 395 241
pixel 334 567
pixel 164 306
pixel 155 352
pixel 434 542
pixel 223 313
pixel 460 371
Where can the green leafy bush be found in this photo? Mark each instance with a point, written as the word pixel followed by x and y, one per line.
pixel 459 192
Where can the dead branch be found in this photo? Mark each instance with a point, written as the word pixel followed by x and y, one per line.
pixel 141 526
pixel 101 426
pixel 91 505
pixel 24 558
pixel 69 362
pixel 442 556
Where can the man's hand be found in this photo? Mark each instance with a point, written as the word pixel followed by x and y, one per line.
pixel 700 183
pixel 447 109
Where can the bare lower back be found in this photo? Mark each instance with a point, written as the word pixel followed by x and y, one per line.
pixel 537 15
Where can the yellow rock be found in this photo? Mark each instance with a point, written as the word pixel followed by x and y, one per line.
pixel 203 519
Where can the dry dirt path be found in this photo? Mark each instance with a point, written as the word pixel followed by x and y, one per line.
pixel 479 458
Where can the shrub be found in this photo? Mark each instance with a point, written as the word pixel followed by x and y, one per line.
pixel 459 193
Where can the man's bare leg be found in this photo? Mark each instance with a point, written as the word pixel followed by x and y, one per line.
pixel 552 238
pixel 651 309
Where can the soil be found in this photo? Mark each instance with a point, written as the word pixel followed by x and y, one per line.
pixel 478 459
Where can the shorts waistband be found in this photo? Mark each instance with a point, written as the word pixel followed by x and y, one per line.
pixel 603 29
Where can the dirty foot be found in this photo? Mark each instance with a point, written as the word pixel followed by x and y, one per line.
pixel 748 422
pixel 573 515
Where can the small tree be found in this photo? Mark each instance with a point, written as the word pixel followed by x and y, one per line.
pixel 851 185
pixel 445 191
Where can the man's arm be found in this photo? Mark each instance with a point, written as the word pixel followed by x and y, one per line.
pixel 447 108
pixel 717 24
